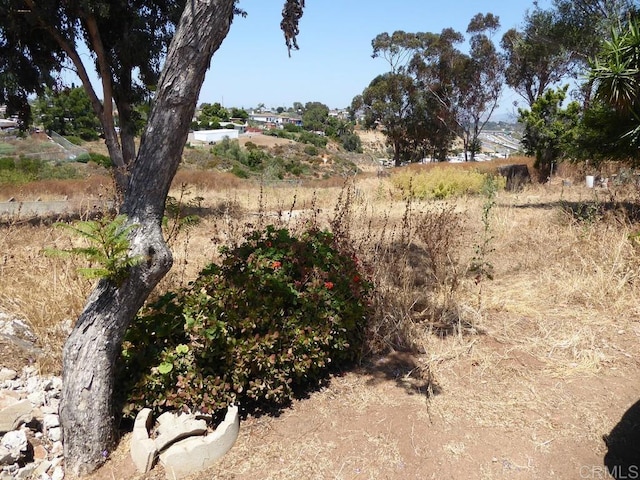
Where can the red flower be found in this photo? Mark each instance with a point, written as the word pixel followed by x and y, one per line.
pixel 328 285
pixel 356 278
pixel 276 265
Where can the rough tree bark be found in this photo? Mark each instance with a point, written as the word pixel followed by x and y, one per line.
pixel 90 353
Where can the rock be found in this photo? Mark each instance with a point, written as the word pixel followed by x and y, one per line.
pixel 26 471
pixel 58 474
pixel 7 374
pixel 55 434
pixel 8 398
pixel 172 427
pixel 57 450
pixel 7 457
pixel 14 415
pixel 37 398
pixel 197 453
pixel 51 420
pixel 42 469
pixel 516 175
pixel 15 442
pixel 39 453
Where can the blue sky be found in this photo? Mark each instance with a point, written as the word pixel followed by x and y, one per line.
pixel 334 62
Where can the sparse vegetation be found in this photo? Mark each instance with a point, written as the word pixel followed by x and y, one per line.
pixel 441 183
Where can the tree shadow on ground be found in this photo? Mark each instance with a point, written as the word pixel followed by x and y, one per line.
pixel 623 443
pixel 590 210
pixel 404 371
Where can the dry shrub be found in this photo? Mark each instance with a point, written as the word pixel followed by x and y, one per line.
pixel 208 180
pixel 412 254
pixel 96 184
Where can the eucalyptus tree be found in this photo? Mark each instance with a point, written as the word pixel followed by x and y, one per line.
pixel 535 56
pixel 479 81
pixel 28 63
pixel 387 103
pixel 182 38
pixel 315 116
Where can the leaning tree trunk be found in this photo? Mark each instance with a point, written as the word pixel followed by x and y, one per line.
pixel 87 411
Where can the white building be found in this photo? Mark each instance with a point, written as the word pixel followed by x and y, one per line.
pixel 213 136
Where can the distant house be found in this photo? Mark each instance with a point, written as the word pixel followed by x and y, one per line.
pixel 213 136
pixel 273 120
pixel 7 123
pixel 236 126
pixel 342 114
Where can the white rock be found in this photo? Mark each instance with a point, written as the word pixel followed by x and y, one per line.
pixel 51 420
pixel 47 384
pixel 7 374
pixel 33 384
pixel 13 446
pixel 42 469
pixel 58 473
pixel 37 398
pixel 26 471
pixel 57 449
pixel 55 434
pixel 7 457
pixel 15 440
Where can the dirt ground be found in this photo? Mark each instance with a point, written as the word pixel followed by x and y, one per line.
pixel 381 422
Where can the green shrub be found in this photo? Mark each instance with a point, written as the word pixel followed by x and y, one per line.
pixel 351 142
pixel 313 139
pixel 74 139
pixel 255 158
pixel 292 127
pixel 239 172
pixel 440 183
pixel 311 150
pixel 271 320
pixel 7 163
pixel 6 149
pixel 102 160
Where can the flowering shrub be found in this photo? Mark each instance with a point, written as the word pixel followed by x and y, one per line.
pixel 273 318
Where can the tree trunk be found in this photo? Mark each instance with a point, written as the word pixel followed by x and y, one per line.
pixel 90 353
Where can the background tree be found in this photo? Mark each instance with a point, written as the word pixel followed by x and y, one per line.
pixel 29 62
pixel 610 128
pixel 536 59
pixel 548 129
pixel 90 353
pixel 68 112
pixel 583 26
pixel 387 103
pixel 478 82
pixel 110 28
pixel 315 116
pixel 211 115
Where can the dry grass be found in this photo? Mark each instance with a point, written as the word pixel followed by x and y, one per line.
pixel 512 375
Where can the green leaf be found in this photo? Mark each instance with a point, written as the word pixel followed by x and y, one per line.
pixel 165 367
